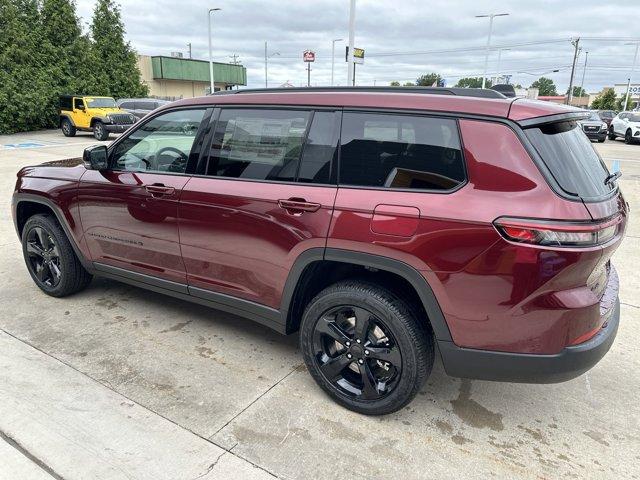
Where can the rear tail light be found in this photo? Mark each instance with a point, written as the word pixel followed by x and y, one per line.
pixel 557 233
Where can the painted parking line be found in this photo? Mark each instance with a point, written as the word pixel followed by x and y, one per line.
pixel 32 144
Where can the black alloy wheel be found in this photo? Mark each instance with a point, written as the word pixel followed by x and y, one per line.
pixel 367 347
pixel 52 263
pixel 357 353
pixel 44 257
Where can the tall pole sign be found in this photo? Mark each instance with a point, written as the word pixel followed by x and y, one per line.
pixel 308 57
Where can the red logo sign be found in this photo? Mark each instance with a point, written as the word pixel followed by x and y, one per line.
pixel 309 56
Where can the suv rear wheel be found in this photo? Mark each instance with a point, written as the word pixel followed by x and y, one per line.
pixel 612 134
pixel 365 347
pixel 67 128
pixel 50 258
pixel 99 131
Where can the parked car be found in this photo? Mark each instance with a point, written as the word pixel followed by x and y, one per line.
pixel 627 126
pixel 606 116
pixel 99 115
pixel 379 225
pixel 140 107
pixel 594 127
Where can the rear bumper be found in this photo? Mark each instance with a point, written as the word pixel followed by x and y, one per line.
pixel 569 363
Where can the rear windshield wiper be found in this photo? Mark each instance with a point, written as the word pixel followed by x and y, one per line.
pixel 612 177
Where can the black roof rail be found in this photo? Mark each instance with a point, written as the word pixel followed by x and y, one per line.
pixel 463 92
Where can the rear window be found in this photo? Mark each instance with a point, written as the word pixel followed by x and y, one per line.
pixel 572 160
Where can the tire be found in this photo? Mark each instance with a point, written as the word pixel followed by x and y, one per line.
pixel 601 140
pixel 612 134
pixel 42 234
pixel 395 334
pixel 628 139
pixel 99 131
pixel 68 129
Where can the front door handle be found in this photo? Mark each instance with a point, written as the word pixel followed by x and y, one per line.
pixel 298 205
pixel 159 190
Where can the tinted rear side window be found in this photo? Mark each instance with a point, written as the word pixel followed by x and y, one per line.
pixel 261 144
pixel 572 160
pixel 400 151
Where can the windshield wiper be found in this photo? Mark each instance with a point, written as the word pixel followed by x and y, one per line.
pixel 612 177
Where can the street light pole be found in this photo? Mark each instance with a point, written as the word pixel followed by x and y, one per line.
pixel 333 55
pixel 584 70
pixel 352 28
pixel 266 59
pixel 633 69
pixel 491 16
pixel 213 88
pixel 499 58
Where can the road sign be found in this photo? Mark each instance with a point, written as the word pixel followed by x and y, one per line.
pixel 358 55
pixel 309 56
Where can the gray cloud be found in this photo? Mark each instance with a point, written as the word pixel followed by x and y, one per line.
pixel 382 27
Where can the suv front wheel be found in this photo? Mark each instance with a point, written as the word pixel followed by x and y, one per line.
pixel 366 347
pixel 99 131
pixel 50 258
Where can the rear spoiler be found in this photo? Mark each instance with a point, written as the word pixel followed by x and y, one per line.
pixel 555 118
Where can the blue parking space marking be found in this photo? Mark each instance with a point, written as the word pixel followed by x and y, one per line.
pixel 23 145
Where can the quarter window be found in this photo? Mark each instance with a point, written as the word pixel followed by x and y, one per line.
pixel 320 149
pixel 400 151
pixel 261 144
pixel 162 144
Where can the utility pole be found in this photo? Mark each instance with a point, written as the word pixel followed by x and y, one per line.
pixel 584 70
pixel 266 82
pixel 499 58
pixel 333 55
pixel 576 51
pixel 352 27
pixel 633 69
pixel 189 46
pixel 491 16
pixel 234 58
pixel 308 74
pixel 213 88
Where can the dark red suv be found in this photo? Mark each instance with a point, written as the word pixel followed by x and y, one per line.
pixel 383 224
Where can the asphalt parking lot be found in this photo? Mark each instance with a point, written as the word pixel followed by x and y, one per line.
pixel 118 382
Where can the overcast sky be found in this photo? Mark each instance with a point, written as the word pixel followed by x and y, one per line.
pixel 402 38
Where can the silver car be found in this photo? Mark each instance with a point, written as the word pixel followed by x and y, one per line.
pixel 140 106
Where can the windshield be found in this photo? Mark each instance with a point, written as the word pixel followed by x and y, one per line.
pixel 594 116
pixel 571 158
pixel 104 102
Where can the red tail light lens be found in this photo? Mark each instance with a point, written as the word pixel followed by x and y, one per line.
pixel 557 233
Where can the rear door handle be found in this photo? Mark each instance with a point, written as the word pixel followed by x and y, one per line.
pixel 159 190
pixel 298 205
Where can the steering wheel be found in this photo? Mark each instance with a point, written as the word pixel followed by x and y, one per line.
pixel 178 163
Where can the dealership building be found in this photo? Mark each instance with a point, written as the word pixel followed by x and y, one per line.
pixel 172 78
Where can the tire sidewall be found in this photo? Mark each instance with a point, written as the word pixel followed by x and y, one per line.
pixel 389 317
pixel 99 132
pixel 67 128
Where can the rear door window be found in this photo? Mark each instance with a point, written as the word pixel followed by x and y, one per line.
pixel 571 158
pixel 260 144
pixel 400 151
pixel 320 149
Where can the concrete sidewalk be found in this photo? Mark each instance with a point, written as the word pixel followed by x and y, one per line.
pixel 58 423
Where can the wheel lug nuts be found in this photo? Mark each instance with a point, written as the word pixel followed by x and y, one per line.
pixel 358 340
pixel 366 352
pixel 349 355
pixel 348 344
pixel 360 361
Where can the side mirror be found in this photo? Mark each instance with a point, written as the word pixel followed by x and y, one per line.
pixel 95 157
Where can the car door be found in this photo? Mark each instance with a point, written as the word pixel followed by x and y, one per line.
pixel 81 118
pixel 129 211
pixel 619 123
pixel 264 196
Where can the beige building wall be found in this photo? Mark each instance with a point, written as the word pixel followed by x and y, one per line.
pixel 171 89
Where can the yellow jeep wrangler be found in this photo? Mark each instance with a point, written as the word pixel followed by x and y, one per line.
pixel 99 115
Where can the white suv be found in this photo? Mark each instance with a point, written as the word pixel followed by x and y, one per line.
pixel 626 125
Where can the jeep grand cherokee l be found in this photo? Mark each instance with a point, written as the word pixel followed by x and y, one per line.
pixel 379 223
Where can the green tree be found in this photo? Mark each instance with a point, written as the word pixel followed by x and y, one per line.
pixel 23 68
pixel 605 101
pixel 545 87
pixel 116 61
pixel 619 104
pixel 395 83
pixel 473 82
pixel 578 92
pixel 428 80
pixel 409 84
